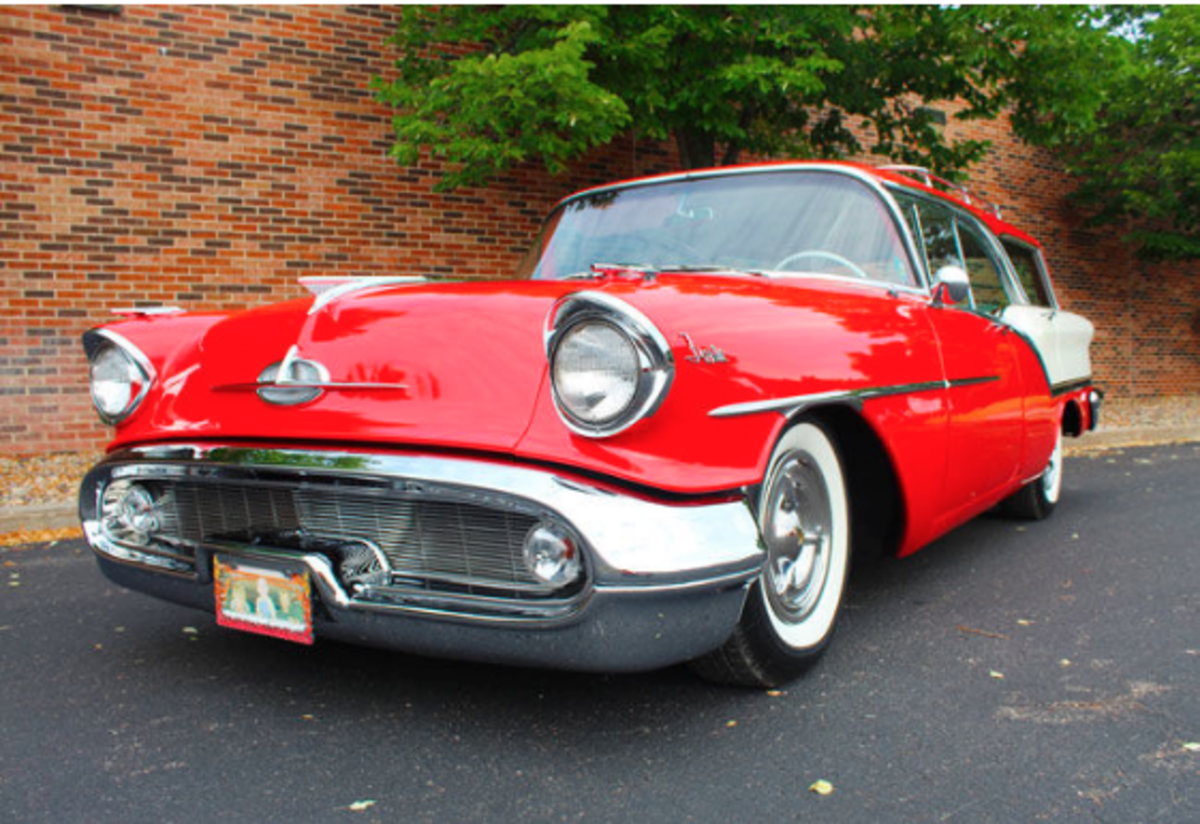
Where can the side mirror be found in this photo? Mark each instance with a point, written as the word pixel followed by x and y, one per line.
pixel 950 285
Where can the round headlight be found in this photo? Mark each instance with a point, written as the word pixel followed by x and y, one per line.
pixel 116 382
pixel 596 372
pixel 610 367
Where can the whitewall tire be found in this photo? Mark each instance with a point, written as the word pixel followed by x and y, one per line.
pixel 803 516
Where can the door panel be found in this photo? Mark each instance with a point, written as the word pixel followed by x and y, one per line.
pixel 987 420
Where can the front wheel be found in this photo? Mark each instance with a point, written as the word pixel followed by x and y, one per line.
pixel 1037 499
pixel 790 611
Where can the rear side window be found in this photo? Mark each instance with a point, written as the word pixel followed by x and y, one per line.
pixel 1027 264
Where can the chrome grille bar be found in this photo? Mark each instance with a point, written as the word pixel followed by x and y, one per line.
pixel 432 544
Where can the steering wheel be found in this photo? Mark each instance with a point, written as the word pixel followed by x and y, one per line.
pixel 821 253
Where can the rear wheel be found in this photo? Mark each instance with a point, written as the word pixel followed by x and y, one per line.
pixel 791 609
pixel 1037 499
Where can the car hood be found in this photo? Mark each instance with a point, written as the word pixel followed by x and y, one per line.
pixel 462 366
pixel 454 364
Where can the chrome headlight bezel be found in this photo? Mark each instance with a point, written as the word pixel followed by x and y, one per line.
pixel 98 343
pixel 655 365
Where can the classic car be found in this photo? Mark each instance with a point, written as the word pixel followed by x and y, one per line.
pixel 662 441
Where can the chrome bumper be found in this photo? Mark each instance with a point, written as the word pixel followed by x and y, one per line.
pixel 665 580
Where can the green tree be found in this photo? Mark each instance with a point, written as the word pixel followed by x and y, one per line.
pixel 1135 147
pixel 486 88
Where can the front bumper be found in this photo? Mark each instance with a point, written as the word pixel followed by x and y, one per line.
pixel 664 581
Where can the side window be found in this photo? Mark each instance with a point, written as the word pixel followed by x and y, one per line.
pixel 1026 264
pixel 987 284
pixel 937 231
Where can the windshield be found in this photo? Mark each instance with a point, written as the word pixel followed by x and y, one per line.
pixel 772 222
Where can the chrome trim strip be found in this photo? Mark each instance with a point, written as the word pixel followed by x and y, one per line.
pixel 797 403
pixel 714 582
pixel 960 382
pixel 347 385
pixel 331 294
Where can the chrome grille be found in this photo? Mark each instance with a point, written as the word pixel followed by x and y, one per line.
pixel 432 544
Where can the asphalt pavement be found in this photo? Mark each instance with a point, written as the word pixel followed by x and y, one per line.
pixel 1008 673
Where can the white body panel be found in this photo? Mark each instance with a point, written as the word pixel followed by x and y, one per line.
pixel 1061 338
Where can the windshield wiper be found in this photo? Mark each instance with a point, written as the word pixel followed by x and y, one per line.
pixel 650 270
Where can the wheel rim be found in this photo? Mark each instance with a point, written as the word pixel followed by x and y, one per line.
pixel 798 530
pixel 1052 477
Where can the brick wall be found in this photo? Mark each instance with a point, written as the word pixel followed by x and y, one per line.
pixel 207 157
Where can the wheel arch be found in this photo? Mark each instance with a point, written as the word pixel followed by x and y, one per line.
pixel 1072 419
pixel 877 516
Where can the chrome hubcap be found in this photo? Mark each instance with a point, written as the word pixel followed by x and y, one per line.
pixel 797 528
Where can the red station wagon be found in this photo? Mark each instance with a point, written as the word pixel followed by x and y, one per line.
pixel 662 441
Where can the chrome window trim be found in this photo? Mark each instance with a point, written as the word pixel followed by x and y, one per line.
pixel 1009 282
pixel 93 341
pixel 874 184
pixel 654 355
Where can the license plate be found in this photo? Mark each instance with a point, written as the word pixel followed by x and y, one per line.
pixel 263 599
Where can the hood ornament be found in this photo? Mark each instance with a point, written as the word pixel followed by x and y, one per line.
pixel 296 380
pixel 293 380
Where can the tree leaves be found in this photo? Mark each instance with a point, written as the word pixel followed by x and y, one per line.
pixel 1113 90
pixel 487 88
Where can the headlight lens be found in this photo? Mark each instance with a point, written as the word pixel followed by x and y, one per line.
pixel 117 382
pixel 596 372
pixel 610 367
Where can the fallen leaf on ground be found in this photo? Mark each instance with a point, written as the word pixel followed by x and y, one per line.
pixel 821 787
pixel 39 536
pixel 983 632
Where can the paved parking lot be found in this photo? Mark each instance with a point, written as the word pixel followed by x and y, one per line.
pixel 1010 672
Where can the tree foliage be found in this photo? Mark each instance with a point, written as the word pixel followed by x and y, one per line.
pixel 1135 148
pixel 486 88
